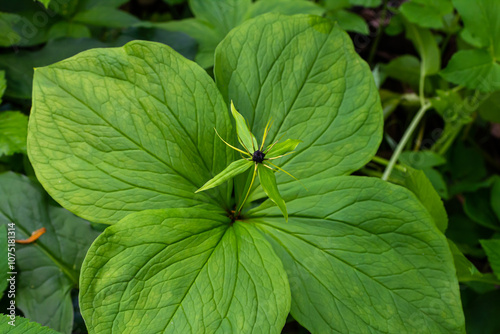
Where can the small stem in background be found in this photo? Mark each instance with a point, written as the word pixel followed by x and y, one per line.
pixel 385 162
pixel 444 142
pixel 445 43
pixel 420 136
pixel 404 140
pixel 449 34
pixel 370 172
pixel 380 31
pixel 380 160
pixel 421 88
pixel 468 127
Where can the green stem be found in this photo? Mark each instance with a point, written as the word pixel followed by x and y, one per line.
pixel 421 88
pixel 409 131
pixel 444 143
pixel 248 191
pixel 385 162
pixel 404 140
pixel 370 172
pixel 379 33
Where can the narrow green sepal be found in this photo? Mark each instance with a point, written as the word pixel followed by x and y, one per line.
pixel 235 168
pixel 247 139
pixel 282 148
pixel 268 182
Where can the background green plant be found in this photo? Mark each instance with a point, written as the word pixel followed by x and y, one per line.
pixel 435 68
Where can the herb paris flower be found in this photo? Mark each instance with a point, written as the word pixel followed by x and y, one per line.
pixel 256 157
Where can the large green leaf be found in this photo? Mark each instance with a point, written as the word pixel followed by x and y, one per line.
pixel 474 69
pixel 48 268
pixel 183 271
pixel 492 249
pixel 426 46
pixel 349 21
pixel 366 3
pixel 106 17
pixel 477 69
pixel 466 270
pixel 89 4
pixel 69 29
pixel 202 32
pixel 427 13
pixel 417 182
pixel 224 15
pixel 287 7
pixel 303 72
pixel 13 132
pixel 19 64
pixel 215 18
pixel 127 132
pixel 482 22
pixel 8 36
pixel 22 326
pixel 363 256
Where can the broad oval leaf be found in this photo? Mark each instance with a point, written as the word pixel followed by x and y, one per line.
pixel 114 131
pixel 49 268
pixel 474 69
pixel 427 13
pixel 183 271
pixel 22 326
pixel 304 73
pixel 492 249
pixel 224 15
pixel 13 132
pixel 364 256
pixel 482 23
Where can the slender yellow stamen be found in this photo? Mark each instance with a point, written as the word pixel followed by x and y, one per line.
pixel 234 148
pixel 276 142
pixel 284 171
pixel 281 156
pixel 266 132
pixel 241 142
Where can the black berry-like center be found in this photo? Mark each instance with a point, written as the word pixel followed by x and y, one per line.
pixel 258 156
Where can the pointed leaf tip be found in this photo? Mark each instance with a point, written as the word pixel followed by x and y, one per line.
pixel 247 139
pixel 235 168
pixel 268 182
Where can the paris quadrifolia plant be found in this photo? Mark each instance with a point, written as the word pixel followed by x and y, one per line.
pixel 257 157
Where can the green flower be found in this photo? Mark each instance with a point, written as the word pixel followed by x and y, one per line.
pixel 257 157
